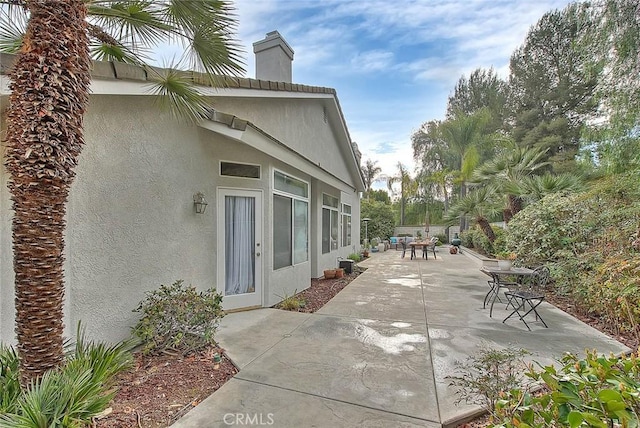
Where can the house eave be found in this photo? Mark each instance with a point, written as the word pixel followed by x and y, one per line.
pixel 245 132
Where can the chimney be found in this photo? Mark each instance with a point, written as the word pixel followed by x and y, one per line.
pixel 273 58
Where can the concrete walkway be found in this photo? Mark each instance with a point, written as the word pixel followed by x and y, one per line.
pixel 377 354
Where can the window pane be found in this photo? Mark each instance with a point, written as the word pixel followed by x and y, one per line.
pixel 346 209
pixel 281 231
pixel 326 230
pixel 239 170
pixel 334 230
pixel 346 230
pixel 289 184
pixel 330 201
pixel 300 230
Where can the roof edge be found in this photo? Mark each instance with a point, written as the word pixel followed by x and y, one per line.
pixel 115 70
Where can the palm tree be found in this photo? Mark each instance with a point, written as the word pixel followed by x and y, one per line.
pixel 49 94
pixel 480 204
pixel 508 168
pixel 533 188
pixel 370 172
pixel 408 187
pixel 464 136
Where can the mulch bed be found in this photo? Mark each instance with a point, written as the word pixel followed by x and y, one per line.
pixel 322 290
pixel 162 388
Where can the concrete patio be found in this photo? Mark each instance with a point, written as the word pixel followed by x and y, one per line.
pixel 377 355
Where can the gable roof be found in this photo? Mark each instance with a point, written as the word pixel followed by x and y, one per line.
pixel 105 73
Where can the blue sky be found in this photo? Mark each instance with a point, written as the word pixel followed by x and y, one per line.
pixel 393 63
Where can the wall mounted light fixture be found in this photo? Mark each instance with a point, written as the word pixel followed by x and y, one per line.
pixel 200 202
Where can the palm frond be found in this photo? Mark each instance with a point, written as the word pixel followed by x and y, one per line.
pixel 175 89
pixel 535 188
pixel 13 22
pixel 115 52
pixel 214 53
pixel 137 23
pixel 478 203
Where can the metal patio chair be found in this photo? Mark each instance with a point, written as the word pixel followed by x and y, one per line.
pixel 526 297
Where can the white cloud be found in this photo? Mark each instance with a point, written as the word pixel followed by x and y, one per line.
pixel 372 61
pixel 416 50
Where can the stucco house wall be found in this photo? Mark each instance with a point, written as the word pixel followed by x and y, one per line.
pixel 6 255
pixel 301 123
pixel 131 224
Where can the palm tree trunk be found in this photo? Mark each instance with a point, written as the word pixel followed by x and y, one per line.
pixel 515 204
pixel 506 215
pixel 49 93
pixel 463 219
pixel 486 228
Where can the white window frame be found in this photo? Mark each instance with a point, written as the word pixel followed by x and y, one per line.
pixel 347 228
pixel 293 198
pixel 240 163
pixel 334 216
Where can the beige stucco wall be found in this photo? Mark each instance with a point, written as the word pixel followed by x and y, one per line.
pixel 131 222
pixel 299 123
pixel 6 257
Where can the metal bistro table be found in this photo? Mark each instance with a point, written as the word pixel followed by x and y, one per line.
pixel 499 280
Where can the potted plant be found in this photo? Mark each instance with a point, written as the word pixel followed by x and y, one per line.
pixel 374 245
pixel 505 259
pixel 329 273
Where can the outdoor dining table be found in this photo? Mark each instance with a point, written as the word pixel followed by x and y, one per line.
pixel 425 246
pixel 499 280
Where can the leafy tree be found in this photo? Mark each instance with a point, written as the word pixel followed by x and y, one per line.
pixel 382 222
pixel 482 89
pixel 380 195
pixel 370 173
pixel 552 85
pixel 611 37
pixel 430 150
pixel 49 95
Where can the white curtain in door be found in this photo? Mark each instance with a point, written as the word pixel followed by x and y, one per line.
pixel 239 245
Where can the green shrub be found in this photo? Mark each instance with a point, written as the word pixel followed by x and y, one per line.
pixel 354 256
pixel 178 317
pixel 291 302
pixel 484 377
pixel 596 391
pixel 66 397
pixel 476 239
pixel 443 238
pixel 9 379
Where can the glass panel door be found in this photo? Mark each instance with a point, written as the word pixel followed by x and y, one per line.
pixel 239 249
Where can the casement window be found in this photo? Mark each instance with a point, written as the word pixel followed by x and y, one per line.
pixel 329 223
pixel 290 220
pixel 346 225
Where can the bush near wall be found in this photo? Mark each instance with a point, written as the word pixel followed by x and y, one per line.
pixel 475 238
pixel 586 239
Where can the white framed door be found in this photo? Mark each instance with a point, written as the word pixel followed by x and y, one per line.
pixel 240 247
